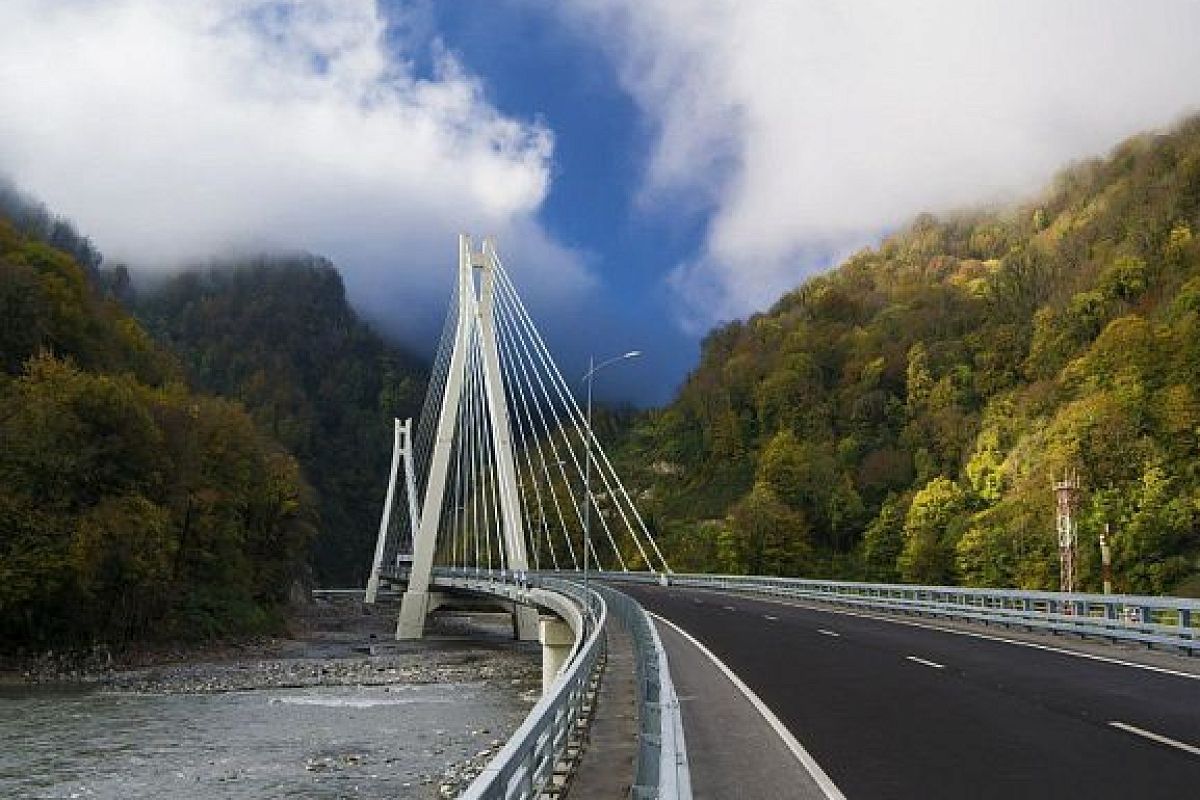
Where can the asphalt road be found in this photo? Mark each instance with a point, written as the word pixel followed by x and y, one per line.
pixel 733 752
pixel 896 711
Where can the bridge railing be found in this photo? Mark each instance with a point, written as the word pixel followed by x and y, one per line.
pixel 525 765
pixel 662 765
pixel 1154 621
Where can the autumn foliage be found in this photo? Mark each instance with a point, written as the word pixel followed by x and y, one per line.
pixel 903 417
pixel 130 506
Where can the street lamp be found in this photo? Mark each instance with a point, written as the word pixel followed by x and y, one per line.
pixel 593 368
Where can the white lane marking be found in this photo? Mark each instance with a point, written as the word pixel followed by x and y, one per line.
pixel 823 781
pixel 933 664
pixel 827 632
pixel 730 608
pixel 1156 737
pixel 769 618
pixel 1033 645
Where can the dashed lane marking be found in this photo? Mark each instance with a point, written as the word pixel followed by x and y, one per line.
pixel 977 635
pixel 1156 737
pixel 825 632
pixel 919 660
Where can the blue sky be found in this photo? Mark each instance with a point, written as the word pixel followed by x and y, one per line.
pixel 650 168
pixel 536 68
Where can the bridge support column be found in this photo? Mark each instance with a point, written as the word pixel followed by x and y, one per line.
pixel 557 639
pixel 525 623
pixel 413 607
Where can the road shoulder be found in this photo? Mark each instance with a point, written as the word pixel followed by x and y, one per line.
pixel 732 749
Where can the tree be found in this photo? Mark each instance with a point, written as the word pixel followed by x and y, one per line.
pixel 279 335
pixel 990 350
pixel 884 541
pixel 931 530
pixel 127 503
pixel 772 539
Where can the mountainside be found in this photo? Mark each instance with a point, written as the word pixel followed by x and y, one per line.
pixel 278 335
pixel 130 507
pixel 905 415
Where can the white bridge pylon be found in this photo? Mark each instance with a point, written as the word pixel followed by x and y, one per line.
pixel 499 459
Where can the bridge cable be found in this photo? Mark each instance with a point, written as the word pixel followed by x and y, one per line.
pixel 524 423
pixel 574 458
pixel 503 331
pixel 523 313
pixel 434 394
pixel 493 473
pixel 521 407
pixel 566 443
pixel 473 489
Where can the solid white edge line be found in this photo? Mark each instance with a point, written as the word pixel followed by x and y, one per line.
pixel 823 781
pixel 1156 737
pixel 1034 645
pixel 919 660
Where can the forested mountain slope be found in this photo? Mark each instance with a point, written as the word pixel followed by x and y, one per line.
pixel 905 415
pixel 278 335
pixel 130 507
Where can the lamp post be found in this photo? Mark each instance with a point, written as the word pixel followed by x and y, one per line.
pixel 593 368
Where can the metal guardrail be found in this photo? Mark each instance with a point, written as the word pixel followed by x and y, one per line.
pixel 1169 622
pixel 525 765
pixel 662 765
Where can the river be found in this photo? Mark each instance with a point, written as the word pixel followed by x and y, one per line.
pixel 400 723
pixel 314 743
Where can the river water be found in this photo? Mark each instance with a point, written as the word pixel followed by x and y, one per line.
pixel 323 742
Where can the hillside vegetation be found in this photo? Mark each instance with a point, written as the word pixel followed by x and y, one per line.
pixel 278 335
pixel 904 416
pixel 130 506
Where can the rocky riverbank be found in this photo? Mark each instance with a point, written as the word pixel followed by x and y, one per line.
pixel 341 660
pixel 332 642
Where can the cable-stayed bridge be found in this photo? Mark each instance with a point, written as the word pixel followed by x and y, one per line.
pixel 503 473
pixel 750 686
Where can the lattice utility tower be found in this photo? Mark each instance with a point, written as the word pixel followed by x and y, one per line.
pixel 1067 493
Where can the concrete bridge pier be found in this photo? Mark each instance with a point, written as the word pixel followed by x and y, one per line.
pixel 416 606
pixel 525 623
pixel 557 640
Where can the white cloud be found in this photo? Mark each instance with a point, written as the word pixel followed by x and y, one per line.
pixel 808 127
pixel 171 132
